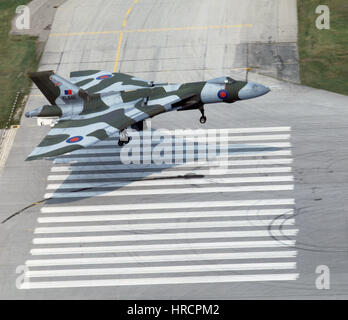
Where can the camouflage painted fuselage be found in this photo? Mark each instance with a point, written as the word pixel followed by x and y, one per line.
pixel 95 105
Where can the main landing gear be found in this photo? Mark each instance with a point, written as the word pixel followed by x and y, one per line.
pixel 124 139
pixel 203 118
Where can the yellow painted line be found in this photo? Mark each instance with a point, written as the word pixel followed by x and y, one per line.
pixel 84 33
pixel 118 51
pixel 71 34
pixel 124 23
pixel 191 28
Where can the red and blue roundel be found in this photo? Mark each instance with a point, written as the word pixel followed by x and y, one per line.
pixel 74 139
pixel 222 94
pixel 104 76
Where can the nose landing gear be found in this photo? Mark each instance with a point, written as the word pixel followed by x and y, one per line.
pixel 203 118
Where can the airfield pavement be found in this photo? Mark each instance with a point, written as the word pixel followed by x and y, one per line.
pixel 259 228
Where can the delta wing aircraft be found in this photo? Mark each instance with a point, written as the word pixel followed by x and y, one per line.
pixel 95 105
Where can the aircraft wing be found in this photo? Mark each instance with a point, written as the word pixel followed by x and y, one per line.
pixel 85 130
pixel 94 81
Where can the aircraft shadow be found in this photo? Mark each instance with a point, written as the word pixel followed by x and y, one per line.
pixel 101 171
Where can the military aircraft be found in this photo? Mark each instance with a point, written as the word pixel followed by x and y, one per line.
pixel 95 105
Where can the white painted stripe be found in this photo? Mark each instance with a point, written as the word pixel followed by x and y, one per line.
pixel 167 166
pixel 133 166
pixel 143 192
pixel 218 138
pixel 101 159
pixel 193 132
pixel 168 205
pixel 163 258
pixel 228 130
pixel 166 182
pixel 203 136
pixel 158 281
pixel 162 269
pixel 227 138
pixel 168 236
pixel 202 140
pixel 166 225
pixel 167 215
pixel 189 148
pixel 164 247
pixel 165 173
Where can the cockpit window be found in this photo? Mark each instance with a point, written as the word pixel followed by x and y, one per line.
pixel 222 80
pixel 230 80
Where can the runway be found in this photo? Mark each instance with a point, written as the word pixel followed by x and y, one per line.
pixel 246 206
pixel 188 238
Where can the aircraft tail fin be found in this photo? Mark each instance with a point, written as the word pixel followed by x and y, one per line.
pixel 53 86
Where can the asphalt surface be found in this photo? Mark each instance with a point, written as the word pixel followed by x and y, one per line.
pixel 256 229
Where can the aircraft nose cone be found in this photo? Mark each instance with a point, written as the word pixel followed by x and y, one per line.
pixel 252 90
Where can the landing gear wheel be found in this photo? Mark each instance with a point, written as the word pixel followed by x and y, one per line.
pixel 203 118
pixel 121 143
pixel 124 139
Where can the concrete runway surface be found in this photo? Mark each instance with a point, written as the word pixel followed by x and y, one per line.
pixel 258 228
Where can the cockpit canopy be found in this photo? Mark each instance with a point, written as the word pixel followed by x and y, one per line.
pixel 222 80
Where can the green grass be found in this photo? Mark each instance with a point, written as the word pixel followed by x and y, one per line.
pixel 324 53
pixel 17 56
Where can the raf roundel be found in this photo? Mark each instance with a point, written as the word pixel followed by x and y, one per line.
pixel 74 139
pixel 222 94
pixel 104 76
